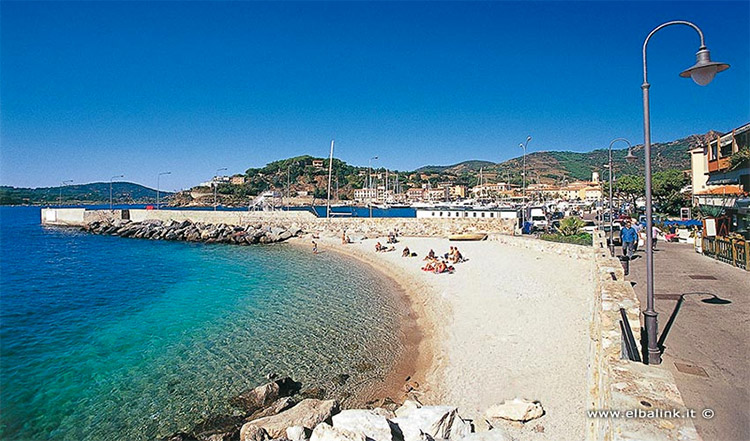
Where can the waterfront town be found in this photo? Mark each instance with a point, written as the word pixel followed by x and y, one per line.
pixel 375 221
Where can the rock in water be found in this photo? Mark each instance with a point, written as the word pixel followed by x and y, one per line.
pixel 324 432
pixel 252 400
pixel 276 407
pixel 308 413
pixel 252 433
pixel 516 410
pixel 375 427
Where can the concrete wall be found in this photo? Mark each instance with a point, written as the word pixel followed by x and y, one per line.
pixel 357 226
pixel 63 216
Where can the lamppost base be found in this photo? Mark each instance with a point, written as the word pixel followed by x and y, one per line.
pixel 654 353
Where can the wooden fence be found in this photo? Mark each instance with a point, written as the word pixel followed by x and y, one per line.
pixel 735 252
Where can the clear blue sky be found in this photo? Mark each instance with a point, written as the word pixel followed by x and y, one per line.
pixel 94 89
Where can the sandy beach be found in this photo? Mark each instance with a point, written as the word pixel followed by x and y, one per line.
pixel 510 322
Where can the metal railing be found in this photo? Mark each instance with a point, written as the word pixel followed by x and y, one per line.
pixel 735 252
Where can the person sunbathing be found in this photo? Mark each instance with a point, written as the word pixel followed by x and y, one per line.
pixel 430 255
pixel 378 247
pixel 430 266
pixel 406 252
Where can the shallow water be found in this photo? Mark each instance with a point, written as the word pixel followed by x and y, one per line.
pixel 109 338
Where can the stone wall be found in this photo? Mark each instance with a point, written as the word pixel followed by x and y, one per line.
pixel 616 383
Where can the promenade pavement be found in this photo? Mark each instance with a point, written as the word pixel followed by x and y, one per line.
pixel 708 347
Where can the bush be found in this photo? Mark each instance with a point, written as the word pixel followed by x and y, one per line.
pixel 577 239
pixel 571 226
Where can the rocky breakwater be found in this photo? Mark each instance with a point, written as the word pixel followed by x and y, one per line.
pixel 278 411
pixel 194 231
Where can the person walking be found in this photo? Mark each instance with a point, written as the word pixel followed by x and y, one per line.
pixel 655 232
pixel 629 237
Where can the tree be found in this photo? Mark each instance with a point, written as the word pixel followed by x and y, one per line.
pixel 630 187
pixel 666 187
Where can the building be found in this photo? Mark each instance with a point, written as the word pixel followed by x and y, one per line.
pixel 237 180
pixel 415 194
pixel 317 163
pixel 724 163
pixel 458 191
pixel 467 212
pixel 365 194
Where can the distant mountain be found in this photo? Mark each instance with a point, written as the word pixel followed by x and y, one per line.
pixel 552 166
pixel 309 174
pixel 93 193
pixel 473 165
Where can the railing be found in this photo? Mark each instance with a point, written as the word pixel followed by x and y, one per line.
pixel 735 252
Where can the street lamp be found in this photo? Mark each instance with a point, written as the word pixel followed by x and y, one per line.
pixel 369 186
pixel 158 177
pixel 702 72
pixel 523 185
pixel 64 183
pixel 215 184
pixel 629 157
pixel 110 189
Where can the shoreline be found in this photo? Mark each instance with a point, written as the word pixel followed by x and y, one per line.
pixel 417 330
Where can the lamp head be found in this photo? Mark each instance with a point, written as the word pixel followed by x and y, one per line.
pixel 528 139
pixel 704 70
pixel 630 157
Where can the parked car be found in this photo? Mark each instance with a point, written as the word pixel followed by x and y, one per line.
pixel 589 226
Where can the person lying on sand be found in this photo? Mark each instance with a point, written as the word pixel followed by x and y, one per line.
pixel 379 247
pixel 430 266
pixel 443 267
pixel 406 252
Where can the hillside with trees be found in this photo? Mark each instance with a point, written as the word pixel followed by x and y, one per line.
pixel 93 193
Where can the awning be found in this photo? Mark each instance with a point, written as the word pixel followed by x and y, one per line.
pixel 728 178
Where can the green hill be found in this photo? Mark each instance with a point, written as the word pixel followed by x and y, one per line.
pixel 93 193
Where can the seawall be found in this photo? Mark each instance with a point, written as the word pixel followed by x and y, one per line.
pixel 301 219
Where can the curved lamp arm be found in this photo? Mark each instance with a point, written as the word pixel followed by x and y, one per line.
pixel 662 26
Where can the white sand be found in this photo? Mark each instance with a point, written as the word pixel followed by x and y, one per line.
pixel 508 323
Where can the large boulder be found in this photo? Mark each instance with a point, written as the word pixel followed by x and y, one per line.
pixel 263 396
pixel 324 432
pixel 308 413
pixel 250 432
pixel 276 407
pixel 435 421
pixel 297 433
pixel 374 426
pixel 515 410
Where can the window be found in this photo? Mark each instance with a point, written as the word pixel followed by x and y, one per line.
pixel 482 214
pixel 492 214
pixel 433 214
pixel 475 215
pixel 441 214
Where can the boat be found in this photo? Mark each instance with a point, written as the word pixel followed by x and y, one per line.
pixel 468 236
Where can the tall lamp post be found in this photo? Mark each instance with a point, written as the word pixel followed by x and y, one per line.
pixel 369 185
pixel 158 177
pixel 702 72
pixel 110 189
pixel 64 183
pixel 629 157
pixel 216 186
pixel 523 185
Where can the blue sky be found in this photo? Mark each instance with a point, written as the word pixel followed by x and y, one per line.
pixel 94 89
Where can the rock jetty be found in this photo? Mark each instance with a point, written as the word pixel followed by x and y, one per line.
pixel 276 411
pixel 194 231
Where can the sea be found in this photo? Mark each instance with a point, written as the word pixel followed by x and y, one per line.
pixel 107 338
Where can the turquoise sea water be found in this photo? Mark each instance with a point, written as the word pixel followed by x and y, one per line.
pixel 104 338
